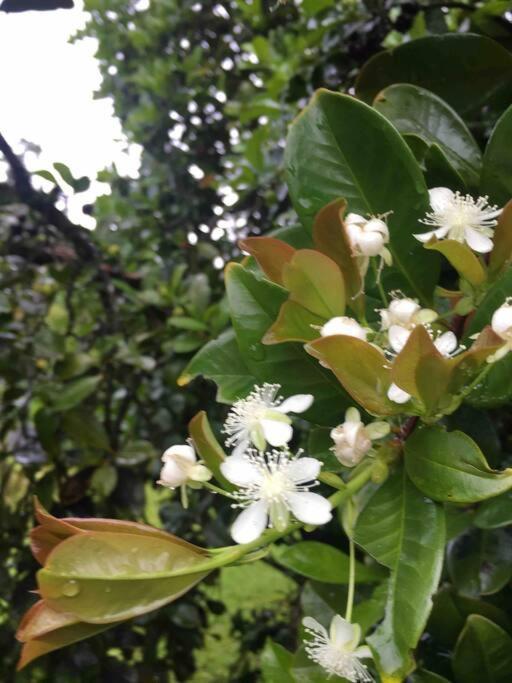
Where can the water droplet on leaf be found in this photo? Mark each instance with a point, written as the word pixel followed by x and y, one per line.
pixel 70 589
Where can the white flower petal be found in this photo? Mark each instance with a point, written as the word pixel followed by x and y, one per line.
pixel 377 225
pixel 354 218
pixel 478 242
pixel 370 244
pixel 343 325
pixel 363 652
pixel 398 395
pixel 316 626
pixel 440 198
pixel 240 448
pixel 239 471
pixel 310 508
pixel 398 337
pixel 424 236
pixel 501 322
pixel 172 474
pixel 446 343
pixel 277 433
pixel 251 523
pixel 296 404
pixel 341 631
pixel 183 451
pixel 303 470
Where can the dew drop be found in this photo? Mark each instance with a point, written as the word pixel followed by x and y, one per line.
pixel 70 589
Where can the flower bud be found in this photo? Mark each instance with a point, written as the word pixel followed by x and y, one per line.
pixel 181 467
pixel 343 325
pixel 353 439
pixel 501 322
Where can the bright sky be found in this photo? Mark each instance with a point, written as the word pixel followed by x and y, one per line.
pixel 46 91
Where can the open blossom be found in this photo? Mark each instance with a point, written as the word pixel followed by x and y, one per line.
pixel 447 346
pixel 343 325
pixel 501 324
pixel 367 237
pixel 261 418
pixel 338 651
pixel 461 218
pixel 270 487
pixel 352 439
pixel 181 467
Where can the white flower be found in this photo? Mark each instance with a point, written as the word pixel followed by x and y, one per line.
pixel 461 218
pixel 270 486
pixel 338 651
pixel 352 439
pixel 445 343
pixel 367 237
pixel 343 325
pixel 501 324
pixel 181 467
pixel 406 313
pixel 261 418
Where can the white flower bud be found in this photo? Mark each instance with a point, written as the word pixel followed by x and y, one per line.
pixel 366 237
pixel 501 322
pixel 181 467
pixel 353 440
pixel 343 325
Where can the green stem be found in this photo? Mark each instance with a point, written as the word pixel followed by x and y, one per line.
pixel 352 486
pixel 379 283
pixel 351 579
pixel 216 489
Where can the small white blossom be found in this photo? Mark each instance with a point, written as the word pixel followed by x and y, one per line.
pixel 270 487
pixel 353 440
pixel 261 418
pixel 445 343
pixel 181 467
pixel 367 237
pixel 461 218
pixel 338 651
pixel 343 325
pixel 501 324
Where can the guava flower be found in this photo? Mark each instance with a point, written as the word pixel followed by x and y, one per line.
pixel 367 237
pixel 406 313
pixel 261 418
pixel 181 467
pixel 445 343
pixel 353 439
pixel 461 218
pixel 270 487
pixel 338 651
pixel 501 324
pixel 343 325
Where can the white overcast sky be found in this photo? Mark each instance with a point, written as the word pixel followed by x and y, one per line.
pixel 46 97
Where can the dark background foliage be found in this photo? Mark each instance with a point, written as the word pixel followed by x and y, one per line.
pixel 96 327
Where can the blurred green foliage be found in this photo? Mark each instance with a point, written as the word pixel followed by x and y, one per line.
pixel 96 328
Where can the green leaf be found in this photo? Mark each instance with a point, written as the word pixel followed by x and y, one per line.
pixel 221 361
pixel 135 452
pixel 275 663
pixel 404 531
pixel 57 317
pixel 208 447
pixel 339 147
pixel 322 562
pixel 294 323
pixel 417 111
pixel 497 165
pixel 467 71
pixel 254 305
pixel 78 184
pixel 271 254
pixel 483 653
pixel 76 392
pixel 462 258
pixel 480 562
pixel 315 282
pixel 101 577
pixel 85 429
pixel 104 480
pixel 424 676
pixel 361 369
pixel 449 467
pixel 502 250
pixel 495 513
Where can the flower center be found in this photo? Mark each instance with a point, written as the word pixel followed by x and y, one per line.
pixel 275 485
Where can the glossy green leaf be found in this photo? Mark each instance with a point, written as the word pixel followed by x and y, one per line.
pixel 104 577
pixel 414 110
pixel 221 361
pixel 439 172
pixel 315 281
pixel 85 429
pixel 339 147
pixel 449 466
pixel 467 71
pixel 254 305
pixel 483 653
pixel 495 513
pixel 322 562
pixel 462 258
pixel 501 254
pixel 404 531
pixel 207 446
pixel 480 561
pixel 330 238
pixel 497 166
pixel 294 323
pixel 74 393
pixel 275 662
pixel 360 367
